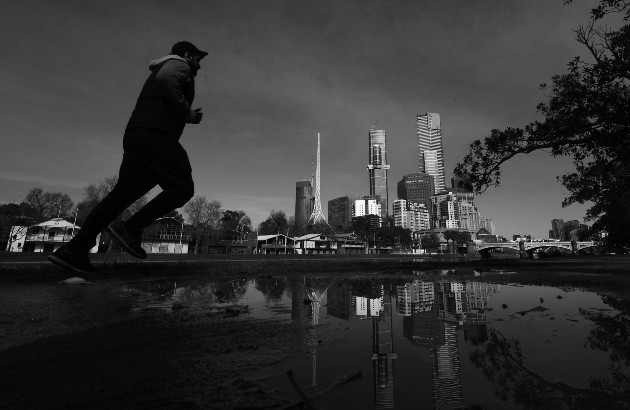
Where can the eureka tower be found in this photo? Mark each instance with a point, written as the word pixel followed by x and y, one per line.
pixel 430 152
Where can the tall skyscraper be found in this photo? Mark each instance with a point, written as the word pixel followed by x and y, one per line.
pixel 303 202
pixel 430 152
pixel 377 168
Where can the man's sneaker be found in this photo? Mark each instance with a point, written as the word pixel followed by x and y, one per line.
pixel 130 241
pixel 80 264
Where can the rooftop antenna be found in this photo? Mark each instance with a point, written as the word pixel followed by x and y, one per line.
pixel 312 172
pixel 374 126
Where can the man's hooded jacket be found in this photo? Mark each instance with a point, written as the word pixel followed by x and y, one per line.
pixel 165 101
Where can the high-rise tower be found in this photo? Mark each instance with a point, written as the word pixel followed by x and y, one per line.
pixel 377 167
pixel 303 202
pixel 430 152
pixel 318 214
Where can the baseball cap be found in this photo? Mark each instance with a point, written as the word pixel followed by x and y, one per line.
pixel 182 47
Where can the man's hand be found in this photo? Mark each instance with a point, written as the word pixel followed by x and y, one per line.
pixel 195 116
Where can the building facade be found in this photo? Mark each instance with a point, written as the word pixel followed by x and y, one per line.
pixel 430 151
pixel 410 215
pixel 304 201
pixel 417 188
pixel 556 228
pixel 377 167
pixel 340 212
pixel 445 211
pixel 46 236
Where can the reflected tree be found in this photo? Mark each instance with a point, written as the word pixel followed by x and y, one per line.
pixel 227 291
pixel 612 334
pixel 501 360
pixel 271 287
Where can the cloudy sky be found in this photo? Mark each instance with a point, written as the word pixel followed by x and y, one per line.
pixel 278 73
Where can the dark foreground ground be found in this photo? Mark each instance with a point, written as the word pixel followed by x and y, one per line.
pixel 77 346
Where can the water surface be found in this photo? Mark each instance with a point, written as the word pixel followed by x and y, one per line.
pixel 427 342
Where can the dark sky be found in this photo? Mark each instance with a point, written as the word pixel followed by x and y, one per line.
pixel 278 73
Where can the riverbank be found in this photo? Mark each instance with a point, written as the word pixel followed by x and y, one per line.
pixel 592 272
pixel 35 265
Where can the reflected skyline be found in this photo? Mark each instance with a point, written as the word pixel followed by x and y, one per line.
pixel 442 319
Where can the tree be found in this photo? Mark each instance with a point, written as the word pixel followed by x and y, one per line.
pixel 234 224
pixel 394 236
pixel 203 216
pixel 48 204
pixel 430 241
pixel 361 227
pixel 275 223
pixel 586 117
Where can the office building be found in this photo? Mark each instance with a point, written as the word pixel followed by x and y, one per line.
pixel 377 168
pixel 304 201
pixel 368 205
pixel 417 188
pixel 445 211
pixel 430 151
pixel 410 215
pixel 340 212
pixel 556 227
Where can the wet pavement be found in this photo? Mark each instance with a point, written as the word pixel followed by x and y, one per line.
pixel 427 340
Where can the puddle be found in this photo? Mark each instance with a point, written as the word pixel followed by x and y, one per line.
pixel 429 343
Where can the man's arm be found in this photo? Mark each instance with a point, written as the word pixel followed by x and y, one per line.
pixel 172 75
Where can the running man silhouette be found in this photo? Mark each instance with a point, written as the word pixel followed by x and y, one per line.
pixel 152 155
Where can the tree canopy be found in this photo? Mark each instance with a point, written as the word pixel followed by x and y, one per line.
pixel 203 216
pixel 275 223
pixel 586 117
pixel 49 204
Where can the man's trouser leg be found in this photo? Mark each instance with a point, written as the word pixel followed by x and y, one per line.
pixel 133 182
pixel 166 161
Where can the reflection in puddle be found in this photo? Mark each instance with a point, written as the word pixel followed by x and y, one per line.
pixel 431 342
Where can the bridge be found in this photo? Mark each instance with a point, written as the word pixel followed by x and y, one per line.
pixel 527 249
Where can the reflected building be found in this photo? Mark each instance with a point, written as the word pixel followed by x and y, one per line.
pixel 437 312
pixel 339 303
pixel 447 377
pixel 376 306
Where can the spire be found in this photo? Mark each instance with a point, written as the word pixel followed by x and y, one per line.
pixel 317 214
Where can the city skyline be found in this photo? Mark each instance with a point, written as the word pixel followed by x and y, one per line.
pixel 277 74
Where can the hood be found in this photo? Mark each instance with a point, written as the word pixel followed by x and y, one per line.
pixel 159 61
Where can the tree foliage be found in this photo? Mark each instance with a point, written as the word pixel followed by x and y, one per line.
pixel 586 117
pixel 430 241
pixel 203 216
pixel 275 223
pixel 49 205
pixel 233 224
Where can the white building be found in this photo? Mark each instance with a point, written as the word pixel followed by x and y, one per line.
pixel 366 307
pixel 410 215
pixel 46 236
pixel 364 207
